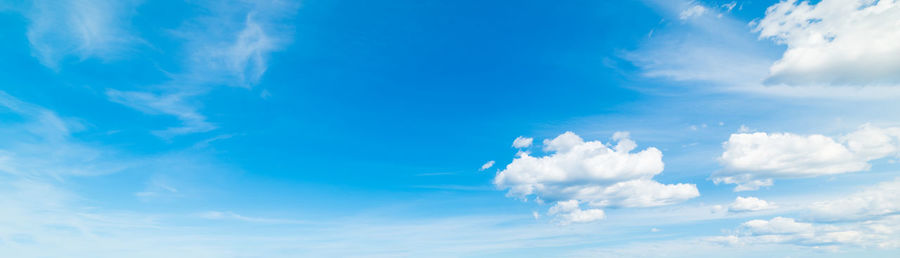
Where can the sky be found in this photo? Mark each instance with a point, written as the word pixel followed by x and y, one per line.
pixel 655 128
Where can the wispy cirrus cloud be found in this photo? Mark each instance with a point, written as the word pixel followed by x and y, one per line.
pixel 40 144
pixel 173 104
pixel 229 47
pixel 79 28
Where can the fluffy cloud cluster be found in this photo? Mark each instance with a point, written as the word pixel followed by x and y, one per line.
pixel 867 218
pixel 781 230
pixel 591 173
pixel 834 42
pixel 752 160
pixel 743 204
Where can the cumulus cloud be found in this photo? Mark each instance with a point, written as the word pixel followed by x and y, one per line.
pixel 487 165
pixel 569 212
pixel 693 50
pixel 79 28
pixel 753 160
pixel 744 204
pixel 781 230
pixel 577 172
pixel 522 142
pixel 869 218
pixel 834 42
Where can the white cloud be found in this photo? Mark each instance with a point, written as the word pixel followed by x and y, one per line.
pixel 79 28
pixel 693 51
pixel 880 200
pixel 777 225
pixel 752 160
pixel 569 212
pixel 168 104
pixel 880 233
pixel 522 142
pixel 834 42
pixel 222 49
pixel 729 6
pixel 41 144
pixel 743 204
pixel 228 215
pixel 781 230
pixel 486 165
pixel 789 154
pixel 591 173
pixel 868 218
pixel 692 11
pixel 237 54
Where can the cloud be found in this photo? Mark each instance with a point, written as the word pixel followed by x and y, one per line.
pixel 228 215
pixel 486 165
pixel 834 42
pixel 880 200
pixel 744 204
pixel 753 160
pixel 165 104
pixel 777 225
pixel 868 218
pixel 522 142
pixel 568 212
pixel 694 49
pixel 229 47
pixel 40 144
pixel 781 230
pixel 692 11
pixel 593 174
pixel 237 54
pixel 84 29
pixel 729 6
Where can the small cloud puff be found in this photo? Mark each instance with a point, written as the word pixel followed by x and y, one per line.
pixel 745 204
pixel 522 142
pixel 569 212
pixel 692 11
pixel 486 165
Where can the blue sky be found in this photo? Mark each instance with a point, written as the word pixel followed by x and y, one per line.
pixel 449 128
